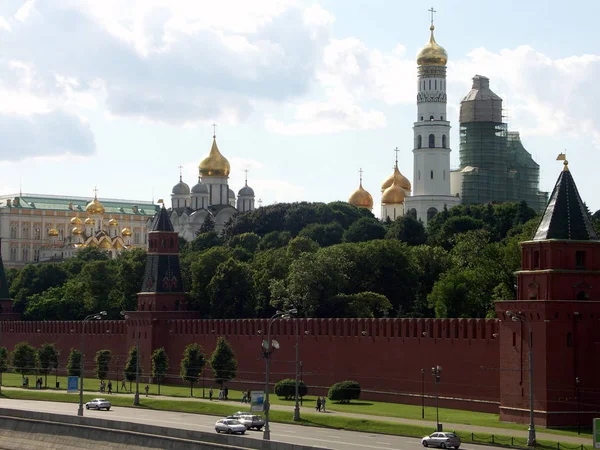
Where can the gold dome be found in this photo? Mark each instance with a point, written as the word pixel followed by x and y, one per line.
pixel 53 232
pixel 113 222
pixel 432 54
pixel 126 231
pixel 215 164
pixel 393 195
pixel 94 207
pixel 77 231
pixel 105 244
pixel 361 198
pixel 90 221
pixel 401 180
pixel 75 221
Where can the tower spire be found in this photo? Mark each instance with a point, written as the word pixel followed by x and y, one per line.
pixel 246 181
pixel 214 125
pixel 396 150
pixel 180 173
pixel 360 171
pixel 563 157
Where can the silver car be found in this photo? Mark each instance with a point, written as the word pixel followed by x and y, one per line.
pixel 98 403
pixel 252 421
pixel 230 426
pixel 441 440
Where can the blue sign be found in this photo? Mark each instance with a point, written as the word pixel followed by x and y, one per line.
pixel 257 401
pixel 72 384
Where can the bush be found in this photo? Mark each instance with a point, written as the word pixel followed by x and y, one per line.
pixel 287 389
pixel 344 391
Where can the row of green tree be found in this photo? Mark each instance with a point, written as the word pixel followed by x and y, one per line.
pixel 326 260
pixel 27 360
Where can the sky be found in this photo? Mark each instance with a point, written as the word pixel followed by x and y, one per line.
pixel 118 94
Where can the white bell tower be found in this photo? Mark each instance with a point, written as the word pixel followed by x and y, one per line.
pixel 431 148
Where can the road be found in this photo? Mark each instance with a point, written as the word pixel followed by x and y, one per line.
pixel 317 437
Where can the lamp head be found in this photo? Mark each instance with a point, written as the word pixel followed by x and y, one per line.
pixel 293 311
pixel 275 344
pixel 97 317
pixel 102 313
pixel 123 313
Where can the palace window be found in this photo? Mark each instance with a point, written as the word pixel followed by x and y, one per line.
pixel 419 141
pixel 13 254
pixel 25 233
pixel 430 213
pixel 580 259
pixel 13 232
pixel 37 234
pixel 436 85
pixel 25 254
pixel 443 141
pixel 431 119
pixel 431 141
pixel 431 174
pixel 429 84
pixel 536 259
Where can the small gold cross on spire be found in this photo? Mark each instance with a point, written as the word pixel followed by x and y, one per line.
pixel 360 171
pixel 396 150
pixel 214 125
pixel 432 11
pixel 95 191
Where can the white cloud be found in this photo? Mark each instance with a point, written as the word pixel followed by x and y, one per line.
pixel 25 11
pixel 4 25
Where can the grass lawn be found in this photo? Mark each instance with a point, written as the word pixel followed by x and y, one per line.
pixel 358 407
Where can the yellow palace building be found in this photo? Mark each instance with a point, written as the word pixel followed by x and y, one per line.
pixel 38 228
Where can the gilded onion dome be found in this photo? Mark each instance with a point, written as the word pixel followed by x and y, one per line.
pixel 52 232
pixel 77 231
pixel 106 244
pixel 113 222
pixel 401 180
pixel 215 164
pixel 126 231
pixel 94 207
pixel 361 198
pixel 432 54
pixel 90 221
pixel 75 221
pixel 393 195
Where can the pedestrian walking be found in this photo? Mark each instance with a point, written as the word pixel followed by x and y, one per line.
pixel 124 385
pixel 244 397
pixel 220 394
pixel 323 404
pixel 110 387
pixel 226 393
pixel 318 408
pixel 147 388
pixel 210 394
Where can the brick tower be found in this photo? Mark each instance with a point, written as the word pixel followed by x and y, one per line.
pixel 162 297
pixel 558 300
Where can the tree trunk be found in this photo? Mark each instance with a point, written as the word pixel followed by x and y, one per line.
pixel 159 386
pixel 46 380
pixel 191 388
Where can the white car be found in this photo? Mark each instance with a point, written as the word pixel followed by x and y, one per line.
pixel 441 440
pixel 98 403
pixel 252 421
pixel 230 426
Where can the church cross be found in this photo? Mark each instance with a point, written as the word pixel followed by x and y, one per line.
pixel 396 150
pixel 180 173
pixel 432 11
pixel 360 171
pixel 214 125
pixel 246 170
pixel 95 191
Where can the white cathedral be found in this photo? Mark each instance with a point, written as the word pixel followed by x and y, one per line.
pixel 430 191
pixel 211 196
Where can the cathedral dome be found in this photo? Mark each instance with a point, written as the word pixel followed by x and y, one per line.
pixel 52 232
pixel 90 221
pixel 94 207
pixel 401 180
pixel 77 231
pixel 105 244
pixel 432 54
pixel 215 164
pixel 361 198
pixel 246 191
pixel 200 188
pixel 75 221
pixel 113 222
pixel 231 193
pixel 181 188
pixel 126 231
pixel 393 194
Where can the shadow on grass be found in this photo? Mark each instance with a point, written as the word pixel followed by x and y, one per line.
pixel 352 403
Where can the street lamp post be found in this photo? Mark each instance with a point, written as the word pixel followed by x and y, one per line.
pixel 297 406
pixel 268 348
pixel 118 378
pixel 136 396
pixel 301 379
pixel 520 317
pixel 436 372
pixel 422 393
pixel 577 383
pixel 97 316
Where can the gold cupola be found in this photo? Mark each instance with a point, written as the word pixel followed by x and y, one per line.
pixel 75 221
pixel 393 195
pixel 215 164
pixel 432 54
pixel 361 197
pixel 94 207
pixel 77 231
pixel 126 232
pixel 90 221
pixel 401 180
pixel 113 222
pixel 52 232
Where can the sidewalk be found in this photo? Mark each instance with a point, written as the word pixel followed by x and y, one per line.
pixel 311 410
